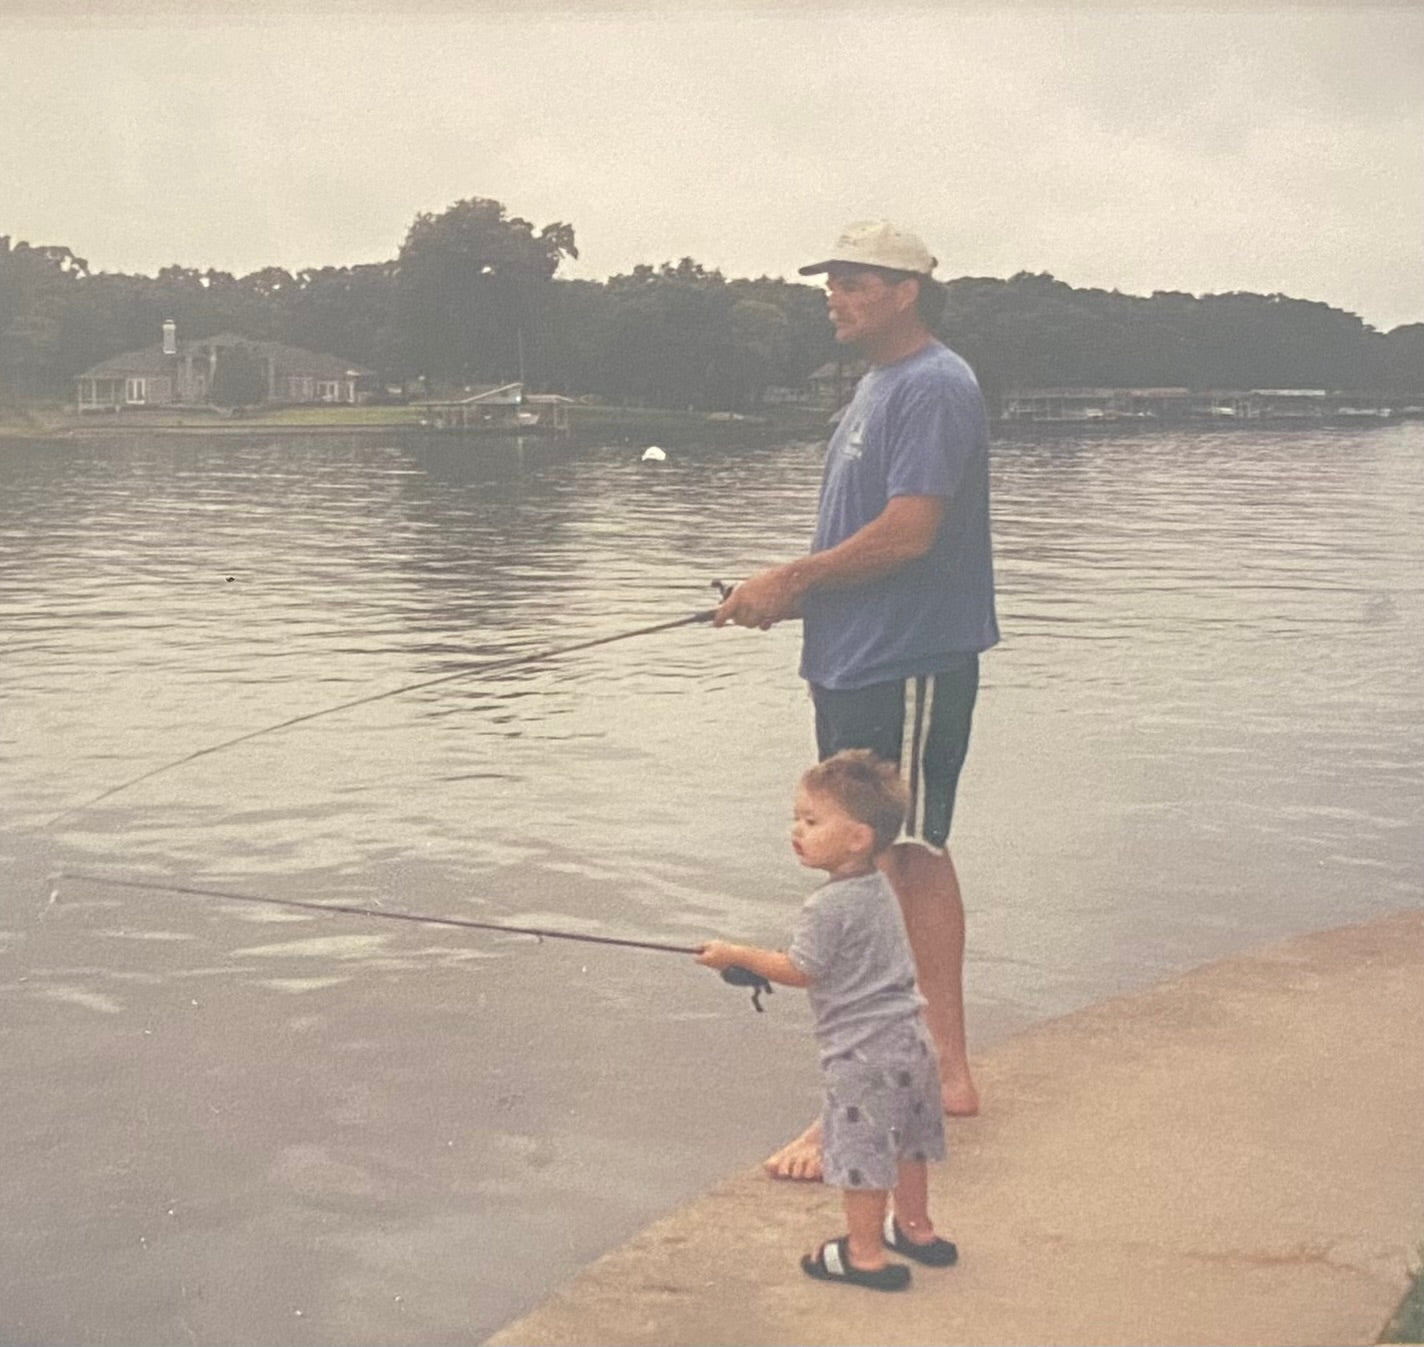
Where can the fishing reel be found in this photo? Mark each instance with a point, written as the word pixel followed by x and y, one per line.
pixel 744 977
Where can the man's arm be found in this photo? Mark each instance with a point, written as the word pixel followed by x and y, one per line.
pixel 901 533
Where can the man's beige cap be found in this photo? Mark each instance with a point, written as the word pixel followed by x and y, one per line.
pixel 877 243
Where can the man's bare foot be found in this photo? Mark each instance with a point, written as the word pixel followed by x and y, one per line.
pixel 799 1159
pixel 959 1097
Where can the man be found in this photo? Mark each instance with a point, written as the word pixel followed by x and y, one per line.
pixel 897 600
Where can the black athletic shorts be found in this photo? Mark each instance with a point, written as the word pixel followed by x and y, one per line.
pixel 922 724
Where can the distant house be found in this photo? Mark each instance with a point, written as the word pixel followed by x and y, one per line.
pixel 180 373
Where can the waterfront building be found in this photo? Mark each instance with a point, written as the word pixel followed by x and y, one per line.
pixel 178 373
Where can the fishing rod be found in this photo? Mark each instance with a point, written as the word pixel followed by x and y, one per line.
pixel 465 671
pixel 736 975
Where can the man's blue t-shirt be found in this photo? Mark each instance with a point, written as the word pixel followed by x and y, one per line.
pixel 914 428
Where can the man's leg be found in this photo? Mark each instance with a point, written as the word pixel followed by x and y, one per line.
pixel 798 1159
pixel 928 889
pixel 939 713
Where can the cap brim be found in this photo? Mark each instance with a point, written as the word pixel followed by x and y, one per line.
pixel 817 267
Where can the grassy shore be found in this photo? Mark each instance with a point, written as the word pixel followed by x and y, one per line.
pixel 590 422
pixel 38 420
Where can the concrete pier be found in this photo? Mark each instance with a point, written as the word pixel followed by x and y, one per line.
pixel 1234 1156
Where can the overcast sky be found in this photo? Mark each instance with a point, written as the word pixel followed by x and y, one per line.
pixel 1176 146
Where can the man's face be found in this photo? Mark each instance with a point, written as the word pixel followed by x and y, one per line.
pixel 864 304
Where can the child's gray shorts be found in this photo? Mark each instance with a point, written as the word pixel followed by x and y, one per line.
pixel 882 1105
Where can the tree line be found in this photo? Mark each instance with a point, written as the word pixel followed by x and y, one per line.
pixel 473 297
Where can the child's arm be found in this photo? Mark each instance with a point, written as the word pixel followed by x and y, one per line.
pixel 772 964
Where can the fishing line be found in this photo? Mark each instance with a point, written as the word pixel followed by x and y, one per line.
pixel 465 672
pixel 737 976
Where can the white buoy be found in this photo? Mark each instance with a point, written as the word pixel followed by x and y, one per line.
pixel 652 454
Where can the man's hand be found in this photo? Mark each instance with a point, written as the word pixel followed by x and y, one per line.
pixel 762 600
pixel 902 532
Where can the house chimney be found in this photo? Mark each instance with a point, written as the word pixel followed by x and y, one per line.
pixel 170 337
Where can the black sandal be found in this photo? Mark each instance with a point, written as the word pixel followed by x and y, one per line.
pixel 832 1264
pixel 937 1253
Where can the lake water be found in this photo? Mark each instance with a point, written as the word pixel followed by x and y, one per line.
pixel 1201 733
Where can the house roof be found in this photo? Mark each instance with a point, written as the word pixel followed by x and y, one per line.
pixel 287 359
pixel 150 360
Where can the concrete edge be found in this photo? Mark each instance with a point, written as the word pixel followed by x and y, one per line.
pixel 1099 1202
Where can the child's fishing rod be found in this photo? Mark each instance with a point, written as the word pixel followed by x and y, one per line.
pixel 737 976
pixel 465 671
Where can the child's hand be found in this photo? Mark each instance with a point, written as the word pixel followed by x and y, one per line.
pixel 717 954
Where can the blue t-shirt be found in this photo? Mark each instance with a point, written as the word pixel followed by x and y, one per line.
pixel 914 428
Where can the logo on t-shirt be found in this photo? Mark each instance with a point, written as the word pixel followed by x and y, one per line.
pixel 855 441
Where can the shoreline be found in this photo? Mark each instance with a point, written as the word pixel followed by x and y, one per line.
pixel 640 425
pixel 1224 1158
pixel 630 425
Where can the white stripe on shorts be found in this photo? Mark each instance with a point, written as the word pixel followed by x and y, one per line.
pixel 919 707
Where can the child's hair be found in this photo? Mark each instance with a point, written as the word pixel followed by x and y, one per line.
pixel 868 788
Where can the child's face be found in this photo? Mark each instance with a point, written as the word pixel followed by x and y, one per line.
pixel 825 837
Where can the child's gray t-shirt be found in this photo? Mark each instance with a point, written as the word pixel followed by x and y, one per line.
pixel 850 942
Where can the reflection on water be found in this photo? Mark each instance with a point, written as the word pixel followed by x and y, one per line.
pixel 1202 732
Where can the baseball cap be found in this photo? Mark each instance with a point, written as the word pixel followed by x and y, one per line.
pixel 877 243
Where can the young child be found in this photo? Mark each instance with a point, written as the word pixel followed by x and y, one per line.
pixel 881 1116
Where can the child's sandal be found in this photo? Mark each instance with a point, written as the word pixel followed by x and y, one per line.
pixel 937 1253
pixel 831 1263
